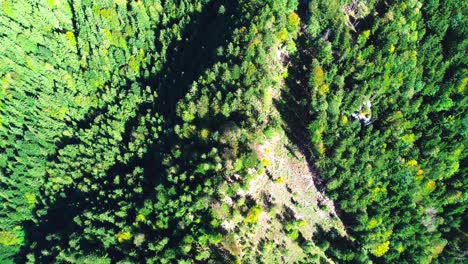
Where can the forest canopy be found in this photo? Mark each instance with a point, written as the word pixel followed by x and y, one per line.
pixel 248 131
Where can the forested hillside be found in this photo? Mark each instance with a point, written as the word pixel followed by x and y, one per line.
pixel 386 117
pixel 248 131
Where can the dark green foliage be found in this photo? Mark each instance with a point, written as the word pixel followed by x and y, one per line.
pixel 386 126
pixel 122 123
pixel 119 119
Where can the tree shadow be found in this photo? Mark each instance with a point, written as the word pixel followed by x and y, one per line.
pixel 187 59
pixel 294 106
pixel 295 101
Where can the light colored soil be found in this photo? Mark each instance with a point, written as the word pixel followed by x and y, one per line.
pixel 295 191
pixel 287 184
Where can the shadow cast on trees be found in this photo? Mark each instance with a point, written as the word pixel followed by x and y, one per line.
pixel 187 59
pixel 294 110
pixel 294 107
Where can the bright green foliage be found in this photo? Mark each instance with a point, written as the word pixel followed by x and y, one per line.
pixel 118 119
pixel 386 123
pixel 123 236
pixel 253 215
pixel 127 126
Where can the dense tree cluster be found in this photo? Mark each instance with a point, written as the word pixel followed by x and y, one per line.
pixel 124 119
pixel 124 123
pixel 386 102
